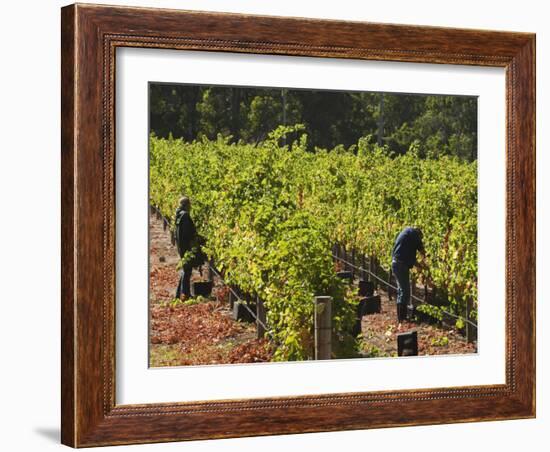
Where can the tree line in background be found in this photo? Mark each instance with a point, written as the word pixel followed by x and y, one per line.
pixel 435 125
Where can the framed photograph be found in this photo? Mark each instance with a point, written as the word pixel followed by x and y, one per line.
pixel 281 225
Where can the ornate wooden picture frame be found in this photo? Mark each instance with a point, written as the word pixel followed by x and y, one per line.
pixel 90 37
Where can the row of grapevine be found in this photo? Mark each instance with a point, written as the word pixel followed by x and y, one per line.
pixel 270 214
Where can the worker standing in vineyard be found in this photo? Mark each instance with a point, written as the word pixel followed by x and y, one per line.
pixel 186 235
pixel 407 243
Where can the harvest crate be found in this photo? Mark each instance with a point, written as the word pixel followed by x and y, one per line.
pixel 201 288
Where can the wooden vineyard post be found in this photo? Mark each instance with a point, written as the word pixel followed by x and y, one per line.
pixel 210 264
pixel 323 327
pixel 411 309
pixel 344 256
pixel 370 268
pixel 390 273
pixel 232 298
pixel 470 329
pixel 372 271
pixel 260 318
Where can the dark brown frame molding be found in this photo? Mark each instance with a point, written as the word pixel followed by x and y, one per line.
pixel 90 35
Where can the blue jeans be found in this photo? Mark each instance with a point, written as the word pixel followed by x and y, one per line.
pixel 401 272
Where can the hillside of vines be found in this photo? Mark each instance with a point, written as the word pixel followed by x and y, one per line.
pixel 271 212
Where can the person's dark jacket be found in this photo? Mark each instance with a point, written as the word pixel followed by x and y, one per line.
pixel 407 243
pixel 185 231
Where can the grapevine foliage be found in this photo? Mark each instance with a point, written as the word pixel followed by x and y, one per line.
pixel 271 212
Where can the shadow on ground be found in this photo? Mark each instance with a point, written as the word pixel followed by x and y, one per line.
pixel 50 433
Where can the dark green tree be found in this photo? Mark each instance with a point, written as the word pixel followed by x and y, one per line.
pixel 438 125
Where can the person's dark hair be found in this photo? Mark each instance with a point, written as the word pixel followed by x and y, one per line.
pixel 185 202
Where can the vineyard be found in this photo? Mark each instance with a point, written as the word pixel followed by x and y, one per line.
pixel 272 213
